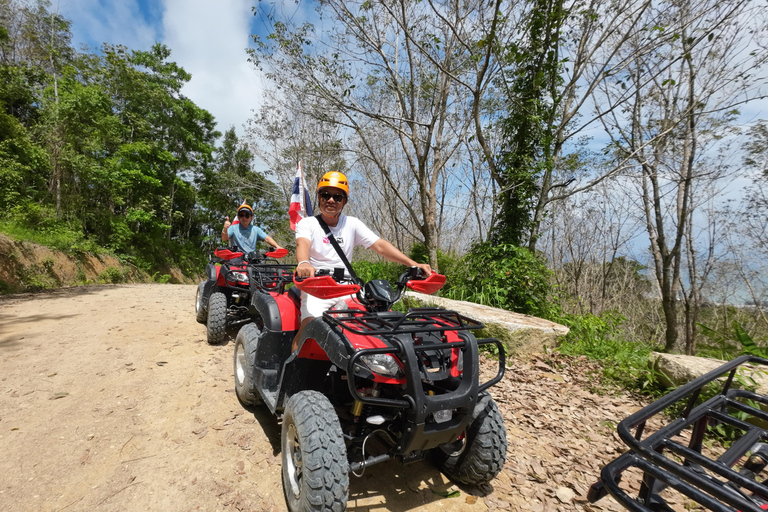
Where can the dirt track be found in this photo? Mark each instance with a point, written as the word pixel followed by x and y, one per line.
pixel 110 399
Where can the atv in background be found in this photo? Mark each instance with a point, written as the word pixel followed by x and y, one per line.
pixel 712 452
pixel 368 384
pixel 224 299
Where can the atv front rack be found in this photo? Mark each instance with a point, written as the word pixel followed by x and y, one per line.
pixel 270 277
pixel 681 457
pixel 416 320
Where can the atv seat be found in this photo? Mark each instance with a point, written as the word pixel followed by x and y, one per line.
pixel 295 295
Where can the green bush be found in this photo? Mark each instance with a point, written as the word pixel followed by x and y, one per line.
pixel 446 262
pixel 368 270
pixel 112 275
pixel 502 276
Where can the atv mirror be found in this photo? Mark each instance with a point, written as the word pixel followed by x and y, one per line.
pixel 325 287
pixel 429 285
pixel 277 253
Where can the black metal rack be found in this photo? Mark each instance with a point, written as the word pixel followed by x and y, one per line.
pixel 414 321
pixel 270 277
pixel 674 456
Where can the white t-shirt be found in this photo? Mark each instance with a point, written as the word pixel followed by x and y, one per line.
pixel 349 232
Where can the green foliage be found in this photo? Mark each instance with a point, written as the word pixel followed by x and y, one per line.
pixel 447 263
pixel 729 344
pixel 38 277
pixel 600 339
pixel 368 270
pixel 528 143
pixel 106 154
pixel 161 278
pixel 112 275
pixel 34 223
pixel 502 276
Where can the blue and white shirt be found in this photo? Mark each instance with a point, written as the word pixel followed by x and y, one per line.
pixel 246 238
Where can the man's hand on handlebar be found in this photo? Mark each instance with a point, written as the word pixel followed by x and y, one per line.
pixel 425 268
pixel 304 270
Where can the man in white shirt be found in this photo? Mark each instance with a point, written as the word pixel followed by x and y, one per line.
pixel 314 251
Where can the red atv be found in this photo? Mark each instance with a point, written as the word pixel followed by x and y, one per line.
pixel 712 452
pixel 224 299
pixel 369 384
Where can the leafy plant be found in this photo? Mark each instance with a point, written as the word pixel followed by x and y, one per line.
pixel 112 275
pixel 600 339
pixel 502 276
pixel 729 342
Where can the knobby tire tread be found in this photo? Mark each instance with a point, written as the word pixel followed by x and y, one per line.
pixel 217 318
pixel 326 478
pixel 486 450
pixel 248 337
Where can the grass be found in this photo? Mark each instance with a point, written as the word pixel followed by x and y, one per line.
pixel 59 237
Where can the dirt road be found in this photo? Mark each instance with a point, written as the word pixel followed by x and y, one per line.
pixel 111 399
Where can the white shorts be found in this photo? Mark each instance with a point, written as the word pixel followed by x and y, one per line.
pixel 313 307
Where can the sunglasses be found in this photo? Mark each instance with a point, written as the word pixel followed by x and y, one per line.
pixel 244 214
pixel 325 196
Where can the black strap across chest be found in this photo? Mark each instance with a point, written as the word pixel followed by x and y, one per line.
pixel 337 248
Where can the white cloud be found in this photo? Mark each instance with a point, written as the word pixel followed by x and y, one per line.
pixel 208 39
pixel 98 21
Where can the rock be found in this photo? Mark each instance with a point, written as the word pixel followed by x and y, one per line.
pixel 565 495
pixel 677 369
pixel 521 334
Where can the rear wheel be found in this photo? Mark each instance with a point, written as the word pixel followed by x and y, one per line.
pixel 315 467
pixel 480 457
pixel 217 318
pixel 201 314
pixel 245 362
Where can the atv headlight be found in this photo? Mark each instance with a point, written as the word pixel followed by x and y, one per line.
pixel 239 277
pixel 383 364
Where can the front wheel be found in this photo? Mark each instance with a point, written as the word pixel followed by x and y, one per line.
pixel 479 457
pixel 217 318
pixel 201 314
pixel 315 467
pixel 245 362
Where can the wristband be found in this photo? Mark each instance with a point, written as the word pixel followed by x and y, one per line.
pixel 303 261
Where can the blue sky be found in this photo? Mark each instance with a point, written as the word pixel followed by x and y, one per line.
pixel 206 37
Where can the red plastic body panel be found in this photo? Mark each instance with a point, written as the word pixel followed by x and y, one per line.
pixel 429 285
pixel 290 311
pixel 277 254
pixel 311 350
pixel 325 287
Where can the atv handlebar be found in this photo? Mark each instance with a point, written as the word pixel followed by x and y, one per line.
pixel 277 253
pixel 326 285
pixel 225 253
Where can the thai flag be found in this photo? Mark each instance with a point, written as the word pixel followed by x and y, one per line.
pixel 301 204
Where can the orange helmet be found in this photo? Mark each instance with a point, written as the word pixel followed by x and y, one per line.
pixel 334 179
pixel 245 206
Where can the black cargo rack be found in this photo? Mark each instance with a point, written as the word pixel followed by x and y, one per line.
pixel 414 321
pixel 268 277
pixel 727 481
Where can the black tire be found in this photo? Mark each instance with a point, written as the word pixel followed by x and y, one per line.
pixel 315 466
pixel 201 314
pixel 480 458
pixel 246 343
pixel 217 318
